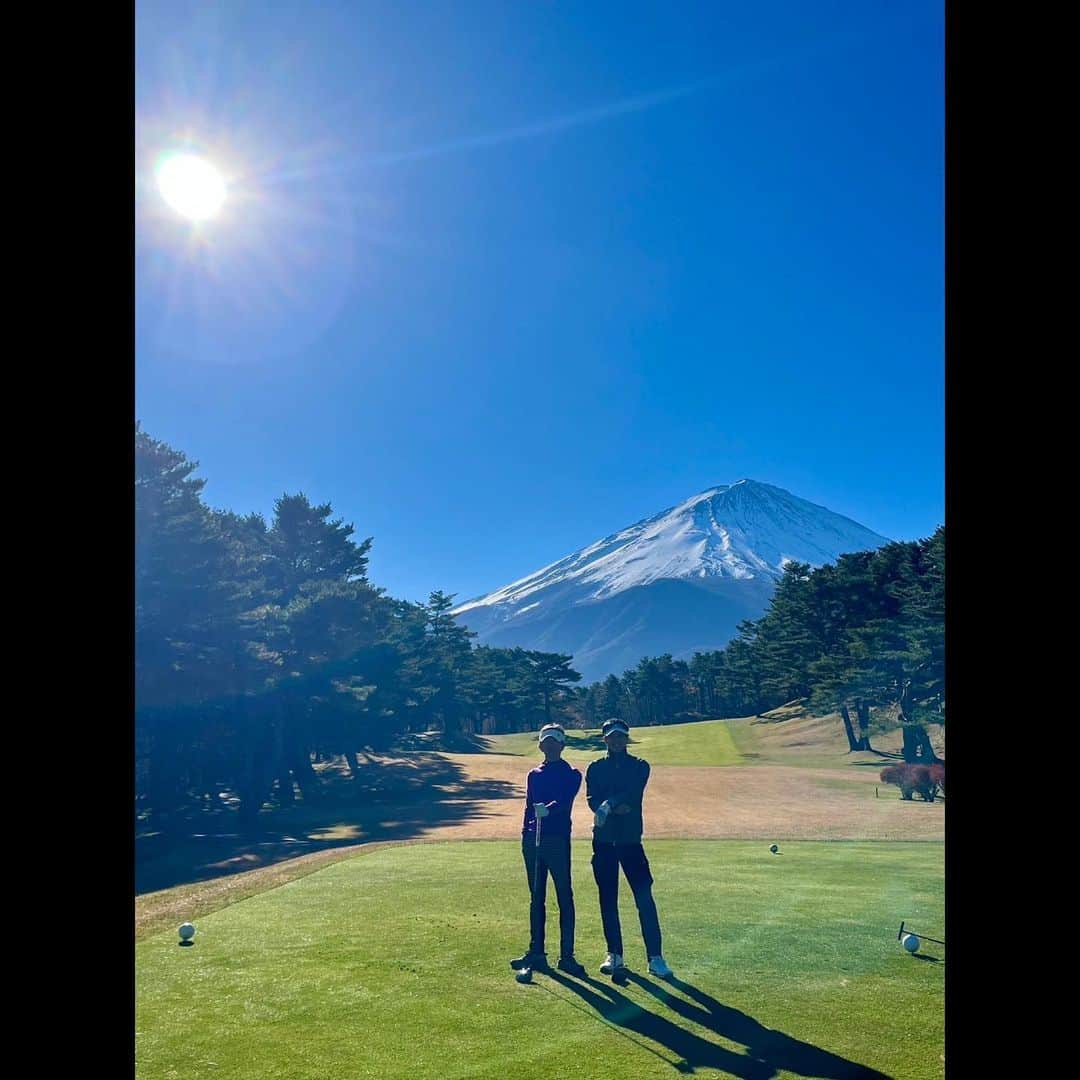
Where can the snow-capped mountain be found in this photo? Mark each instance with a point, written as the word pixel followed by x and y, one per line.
pixel 677 582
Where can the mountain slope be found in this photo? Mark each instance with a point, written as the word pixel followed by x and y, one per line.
pixel 679 581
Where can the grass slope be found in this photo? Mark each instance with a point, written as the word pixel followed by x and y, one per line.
pixel 708 742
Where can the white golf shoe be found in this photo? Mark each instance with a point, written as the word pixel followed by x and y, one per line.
pixel 612 963
pixel 658 966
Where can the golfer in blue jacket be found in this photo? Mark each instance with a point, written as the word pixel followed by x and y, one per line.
pixel 550 790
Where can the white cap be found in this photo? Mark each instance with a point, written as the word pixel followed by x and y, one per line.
pixel 552 731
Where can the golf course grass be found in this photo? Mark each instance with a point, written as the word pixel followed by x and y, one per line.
pixel 393 963
pixel 707 742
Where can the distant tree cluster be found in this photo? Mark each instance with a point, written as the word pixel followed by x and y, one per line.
pixel 261 647
pixel 864 633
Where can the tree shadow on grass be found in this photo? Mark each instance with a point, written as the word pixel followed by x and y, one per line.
pixel 768 1052
pixel 451 742
pixel 587 741
pixel 457 743
pixel 397 800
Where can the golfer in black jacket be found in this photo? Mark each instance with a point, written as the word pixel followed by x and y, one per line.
pixel 614 788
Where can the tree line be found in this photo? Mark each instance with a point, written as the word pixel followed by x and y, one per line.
pixel 261 647
pixel 864 633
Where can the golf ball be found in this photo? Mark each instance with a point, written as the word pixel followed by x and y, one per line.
pixel 774 848
pixel 524 976
pixel 187 931
pixel 910 942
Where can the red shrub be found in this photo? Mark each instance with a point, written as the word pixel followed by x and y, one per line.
pixel 921 782
pixel 924 779
pixel 937 774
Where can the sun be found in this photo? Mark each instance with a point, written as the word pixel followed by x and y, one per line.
pixel 190 185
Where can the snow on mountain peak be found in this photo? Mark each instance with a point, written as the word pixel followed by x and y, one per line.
pixel 738 531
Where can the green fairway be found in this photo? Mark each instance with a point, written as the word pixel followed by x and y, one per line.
pixel 706 742
pixel 394 964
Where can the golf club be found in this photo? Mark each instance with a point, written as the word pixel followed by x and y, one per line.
pixel 921 937
pixel 536 862
pixel 525 974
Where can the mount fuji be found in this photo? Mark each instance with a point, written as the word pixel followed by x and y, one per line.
pixel 678 582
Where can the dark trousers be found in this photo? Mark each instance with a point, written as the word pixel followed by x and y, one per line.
pixel 552 856
pixel 605 863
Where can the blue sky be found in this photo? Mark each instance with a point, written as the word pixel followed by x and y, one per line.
pixel 497 279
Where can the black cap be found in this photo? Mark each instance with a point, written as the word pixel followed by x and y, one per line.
pixel 614 724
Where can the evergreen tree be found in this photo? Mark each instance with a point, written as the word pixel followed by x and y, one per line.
pixel 550 673
pixel 448 662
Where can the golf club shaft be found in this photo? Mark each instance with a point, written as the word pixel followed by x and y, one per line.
pixel 900 936
pixel 536 862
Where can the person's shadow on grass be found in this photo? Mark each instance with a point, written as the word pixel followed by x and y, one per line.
pixel 692 1051
pixel 768 1052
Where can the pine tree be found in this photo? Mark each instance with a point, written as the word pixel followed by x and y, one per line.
pixel 550 673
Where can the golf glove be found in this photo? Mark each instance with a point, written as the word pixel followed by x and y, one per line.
pixel 602 812
pixel 541 810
